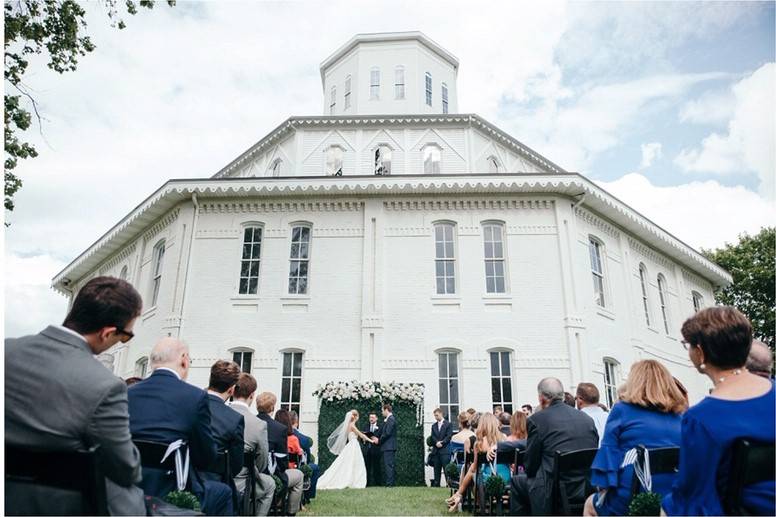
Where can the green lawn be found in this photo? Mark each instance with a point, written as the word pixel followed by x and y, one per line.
pixel 379 501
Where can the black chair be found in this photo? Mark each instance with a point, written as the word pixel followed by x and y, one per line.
pixel 519 459
pixel 663 460
pixel 222 467
pixel 72 471
pixel 750 463
pixel 490 504
pixel 151 454
pixel 248 506
pixel 573 463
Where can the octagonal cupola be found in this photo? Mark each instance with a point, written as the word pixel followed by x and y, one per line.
pixel 392 73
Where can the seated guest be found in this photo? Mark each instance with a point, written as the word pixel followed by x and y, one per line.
pixel 227 425
pixel 471 411
pixel 58 397
pixel 568 399
pixel 504 419
pixel 294 447
pixel 587 402
pixel 164 408
pixel 517 429
pixel 527 409
pixel 557 427
pixel 306 442
pixel 741 405
pixel 649 414
pixel 463 434
pixel 277 434
pixel 255 439
pixel 760 360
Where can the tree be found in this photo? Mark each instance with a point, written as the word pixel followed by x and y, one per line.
pixel 753 291
pixel 54 27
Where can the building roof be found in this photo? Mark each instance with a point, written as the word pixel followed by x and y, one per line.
pixel 176 191
pixel 376 37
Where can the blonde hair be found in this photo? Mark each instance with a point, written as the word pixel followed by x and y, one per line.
pixel 651 385
pixel 489 429
pixel 517 425
pixel 353 415
pixel 265 402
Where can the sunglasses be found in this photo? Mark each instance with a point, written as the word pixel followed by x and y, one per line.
pixel 128 333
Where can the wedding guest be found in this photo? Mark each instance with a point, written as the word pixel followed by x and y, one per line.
pixel 527 409
pixel 471 411
pixel 504 419
pixel 760 360
pixel 441 433
pixel 129 381
pixel 650 415
pixel 497 410
pixel 557 427
pixel 292 442
pixel 587 402
pixel 718 341
pixel 306 442
pixel 568 399
pixel 464 433
pixel 517 427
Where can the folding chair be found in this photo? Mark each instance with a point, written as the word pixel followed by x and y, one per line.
pixel 751 463
pixel 571 463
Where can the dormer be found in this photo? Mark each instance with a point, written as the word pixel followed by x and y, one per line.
pixel 391 73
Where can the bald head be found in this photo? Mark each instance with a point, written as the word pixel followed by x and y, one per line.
pixel 760 359
pixel 549 389
pixel 171 353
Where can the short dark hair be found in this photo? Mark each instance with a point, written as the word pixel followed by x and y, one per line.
pixel 387 407
pixel 529 406
pixel 223 375
pixel 723 333
pixel 245 387
pixel 438 410
pixel 569 399
pixel 103 301
pixel 504 418
pixel 588 393
pixel 129 381
pixel 373 413
pixel 282 416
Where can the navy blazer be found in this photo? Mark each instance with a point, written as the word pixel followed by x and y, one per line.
pixel 443 435
pixel 387 436
pixel 277 435
pixel 163 409
pixel 228 428
pixel 305 442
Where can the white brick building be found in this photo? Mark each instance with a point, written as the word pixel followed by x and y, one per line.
pixel 396 239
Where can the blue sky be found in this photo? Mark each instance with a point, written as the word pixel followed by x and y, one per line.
pixel 669 106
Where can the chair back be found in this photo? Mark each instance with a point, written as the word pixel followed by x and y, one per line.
pixel 568 464
pixel 751 463
pixel 519 458
pixel 151 454
pixel 222 467
pixel 72 471
pixel 662 460
pixel 248 506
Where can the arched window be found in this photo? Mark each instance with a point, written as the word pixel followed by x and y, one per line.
pixel 661 291
pixel 333 101
pixel 374 83
pixel 398 83
pixel 156 268
pixel 428 88
pixel 495 263
pixel 501 380
pixel 644 295
pixel 244 359
pixel 444 261
pixel 383 155
pixel 697 301
pixel 432 159
pixel 449 393
pixel 291 381
pixel 445 108
pixel 596 266
pixel 276 169
pixel 610 381
pixel 250 259
pixel 347 92
pixel 124 273
pixel 334 158
pixel 493 166
pixel 299 259
pixel 141 367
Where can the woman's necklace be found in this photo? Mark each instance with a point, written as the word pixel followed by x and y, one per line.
pixel 737 371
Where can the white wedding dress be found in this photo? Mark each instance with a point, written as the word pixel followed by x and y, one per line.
pixel 348 469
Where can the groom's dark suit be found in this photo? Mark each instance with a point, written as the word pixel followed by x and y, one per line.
pixel 387 441
pixel 372 456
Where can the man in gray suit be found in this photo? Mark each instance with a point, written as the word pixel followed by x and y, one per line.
pixel 255 440
pixel 59 397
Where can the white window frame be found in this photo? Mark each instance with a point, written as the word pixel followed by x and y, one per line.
pixel 644 282
pixel 238 356
pixel 697 301
pixel 379 167
pixel 611 375
pixel 141 367
pixel 157 265
pixel 399 89
pixel 663 298
pixel 429 87
pixel 432 168
pixel 499 376
pixel 289 403
pixel 333 100
pixel 374 84
pixel 276 168
pixel 251 259
pixel 494 259
pixel 306 260
pixel 348 84
pixel 445 99
pixel 448 262
pixel 494 165
pixel 124 273
pixel 596 250
pixel 332 170
pixel 446 382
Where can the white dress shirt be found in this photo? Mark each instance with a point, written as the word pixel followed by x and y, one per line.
pixel 599 416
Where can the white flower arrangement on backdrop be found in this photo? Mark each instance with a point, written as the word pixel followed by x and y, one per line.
pixel 357 390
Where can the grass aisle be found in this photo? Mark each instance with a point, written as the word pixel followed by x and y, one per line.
pixel 379 501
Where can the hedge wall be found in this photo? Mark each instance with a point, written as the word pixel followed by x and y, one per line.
pixel 409 436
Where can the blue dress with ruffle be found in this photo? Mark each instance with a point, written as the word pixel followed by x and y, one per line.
pixel 627 427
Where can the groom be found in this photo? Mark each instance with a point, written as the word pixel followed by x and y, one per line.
pixel 387 442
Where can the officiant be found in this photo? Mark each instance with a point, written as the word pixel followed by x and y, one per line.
pixel 372 455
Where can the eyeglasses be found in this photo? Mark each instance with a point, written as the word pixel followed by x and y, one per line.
pixel 127 333
pixel 686 345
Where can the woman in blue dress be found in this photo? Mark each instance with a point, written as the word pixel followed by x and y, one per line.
pixel 741 405
pixel 649 414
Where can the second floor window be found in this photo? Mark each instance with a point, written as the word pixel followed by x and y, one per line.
pixel 697 301
pixel 333 101
pixel 383 160
pixel 334 158
pixel 374 84
pixel 644 286
pixel 661 291
pixel 291 382
pixel 156 280
pixel 300 260
pixel 493 167
pixel 244 360
pixel 347 92
pixel 249 263
pixel 124 273
pixel 445 258
pixel 432 158
pixel 445 108
pixel 449 396
pixel 596 265
pixel 398 85
pixel 495 275
pixel 428 88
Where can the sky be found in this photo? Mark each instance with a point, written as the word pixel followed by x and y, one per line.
pixel 668 106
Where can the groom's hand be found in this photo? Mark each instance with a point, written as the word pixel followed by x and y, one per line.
pixel 375 440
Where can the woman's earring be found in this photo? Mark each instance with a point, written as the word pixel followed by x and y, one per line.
pixel 703 366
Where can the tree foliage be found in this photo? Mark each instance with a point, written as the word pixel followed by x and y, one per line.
pixel 56 29
pixel 751 262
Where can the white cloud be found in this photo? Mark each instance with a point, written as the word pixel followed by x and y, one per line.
pixel 748 144
pixel 649 153
pixel 30 302
pixel 712 107
pixel 704 214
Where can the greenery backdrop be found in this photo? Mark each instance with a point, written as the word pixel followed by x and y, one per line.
pixel 409 436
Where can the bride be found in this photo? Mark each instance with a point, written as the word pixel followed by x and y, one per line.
pixel 348 469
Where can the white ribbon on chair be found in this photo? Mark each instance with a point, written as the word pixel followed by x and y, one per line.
pixel 272 464
pixel 643 473
pixel 181 466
